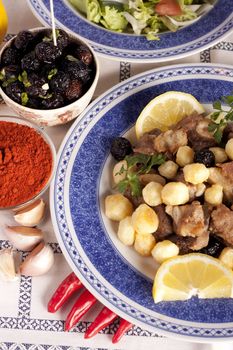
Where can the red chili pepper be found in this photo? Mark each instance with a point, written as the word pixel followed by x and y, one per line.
pixel 67 287
pixel 124 326
pixel 82 305
pixel 103 319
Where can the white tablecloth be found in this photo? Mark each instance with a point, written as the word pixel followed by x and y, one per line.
pixel 24 320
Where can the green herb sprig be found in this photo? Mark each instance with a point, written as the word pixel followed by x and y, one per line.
pixel 217 126
pixel 144 163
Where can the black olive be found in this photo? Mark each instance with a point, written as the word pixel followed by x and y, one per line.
pixel 30 63
pixel 205 157
pixel 10 56
pixel 23 39
pixel 214 247
pixel 74 90
pixel 120 148
pixel 60 82
pixel 47 52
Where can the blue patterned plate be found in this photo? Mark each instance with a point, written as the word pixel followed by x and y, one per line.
pixel 115 274
pixel 207 31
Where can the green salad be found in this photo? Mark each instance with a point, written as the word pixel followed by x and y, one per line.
pixel 146 17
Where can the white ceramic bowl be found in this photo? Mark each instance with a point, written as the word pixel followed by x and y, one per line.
pixel 62 115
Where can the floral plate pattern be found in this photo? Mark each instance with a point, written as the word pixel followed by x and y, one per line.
pixel 205 32
pixel 77 205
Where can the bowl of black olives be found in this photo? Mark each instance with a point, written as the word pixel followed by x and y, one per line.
pixel 49 84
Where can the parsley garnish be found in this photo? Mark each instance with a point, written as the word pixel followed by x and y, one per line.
pixel 143 164
pixel 221 117
pixel 51 73
pixel 23 78
pixel 24 98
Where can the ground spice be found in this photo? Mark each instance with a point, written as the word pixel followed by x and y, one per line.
pixel 25 163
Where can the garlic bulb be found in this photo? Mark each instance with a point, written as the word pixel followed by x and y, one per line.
pixel 31 215
pixel 7 265
pixel 23 238
pixel 39 261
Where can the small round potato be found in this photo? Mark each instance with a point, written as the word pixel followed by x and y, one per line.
pixel 152 194
pixel 175 193
pixel 184 156
pixel 119 171
pixel 126 233
pixel 226 257
pixel 145 219
pixel 117 207
pixel 219 154
pixel 229 149
pixel 144 243
pixel 164 250
pixel 168 169
pixel 214 194
pixel 196 173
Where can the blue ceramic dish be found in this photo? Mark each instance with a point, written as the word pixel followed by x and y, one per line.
pixel 87 238
pixel 207 31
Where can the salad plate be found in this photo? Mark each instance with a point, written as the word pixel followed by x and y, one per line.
pixel 205 32
pixel 118 277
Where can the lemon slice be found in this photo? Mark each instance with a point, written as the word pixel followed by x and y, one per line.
pixel 188 275
pixel 166 110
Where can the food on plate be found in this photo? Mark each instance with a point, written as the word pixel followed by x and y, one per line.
pixel 178 179
pixel 26 164
pixel 182 277
pixel 39 75
pixel 147 17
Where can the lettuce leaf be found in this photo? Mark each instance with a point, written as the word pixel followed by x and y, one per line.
pixel 113 19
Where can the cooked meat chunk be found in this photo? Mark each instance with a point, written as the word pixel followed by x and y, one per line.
pixel 189 244
pixel 196 127
pixel 228 132
pixel 189 219
pixel 201 241
pixel 136 201
pixel 223 175
pixel 169 141
pixel 189 123
pixel 165 223
pixel 221 223
pixel 200 138
pixel 146 143
pixel 184 243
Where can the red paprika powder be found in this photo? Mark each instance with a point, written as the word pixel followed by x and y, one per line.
pixel 25 163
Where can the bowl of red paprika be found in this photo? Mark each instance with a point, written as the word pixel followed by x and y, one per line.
pixel 46 83
pixel 27 162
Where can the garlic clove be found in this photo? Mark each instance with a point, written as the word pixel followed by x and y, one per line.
pixel 7 265
pixel 39 261
pixel 23 238
pixel 32 214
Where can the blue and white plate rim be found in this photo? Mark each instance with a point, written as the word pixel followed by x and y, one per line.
pixel 162 55
pixel 81 264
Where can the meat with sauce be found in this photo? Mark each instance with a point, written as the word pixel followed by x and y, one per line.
pixel 189 219
pixel 146 143
pixel 170 141
pixel 165 223
pixel 196 127
pixel 221 223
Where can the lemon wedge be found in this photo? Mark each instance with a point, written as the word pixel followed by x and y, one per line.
pixel 166 110
pixel 193 274
pixel 3 21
